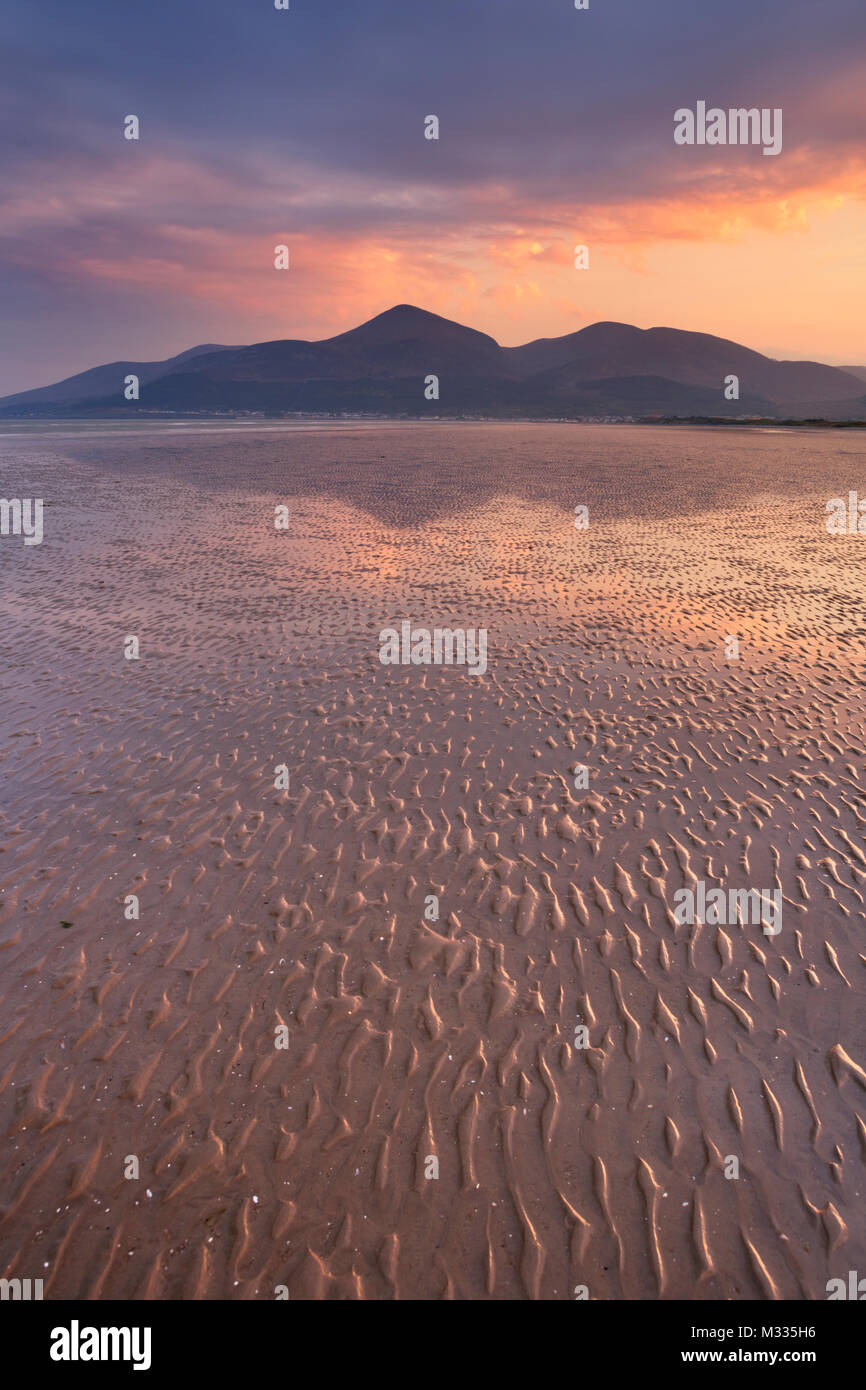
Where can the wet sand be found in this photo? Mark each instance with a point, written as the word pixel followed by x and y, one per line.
pixel 559 1166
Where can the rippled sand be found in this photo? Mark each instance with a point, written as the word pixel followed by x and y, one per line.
pixel 558 1167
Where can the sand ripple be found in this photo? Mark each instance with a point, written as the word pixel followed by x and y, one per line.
pixel 559 1165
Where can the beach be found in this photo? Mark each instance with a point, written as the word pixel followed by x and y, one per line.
pixel 384 954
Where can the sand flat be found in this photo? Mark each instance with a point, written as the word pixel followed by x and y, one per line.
pixel 559 1166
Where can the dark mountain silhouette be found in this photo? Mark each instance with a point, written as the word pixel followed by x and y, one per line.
pixel 695 359
pixel 381 368
pixel 855 371
pixel 102 381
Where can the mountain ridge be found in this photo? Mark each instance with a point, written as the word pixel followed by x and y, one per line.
pixel 383 366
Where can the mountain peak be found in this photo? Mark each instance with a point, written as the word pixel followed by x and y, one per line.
pixel 406 322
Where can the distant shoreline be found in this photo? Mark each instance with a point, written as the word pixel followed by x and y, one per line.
pixel 254 419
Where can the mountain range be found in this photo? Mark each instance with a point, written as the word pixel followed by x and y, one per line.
pixel 381 367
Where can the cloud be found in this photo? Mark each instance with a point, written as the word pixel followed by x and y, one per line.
pixel 307 127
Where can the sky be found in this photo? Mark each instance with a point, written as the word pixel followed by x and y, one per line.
pixel 305 127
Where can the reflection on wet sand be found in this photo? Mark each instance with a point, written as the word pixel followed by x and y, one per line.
pixel 565 1158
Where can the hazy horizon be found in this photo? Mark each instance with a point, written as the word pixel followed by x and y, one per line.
pixel 167 356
